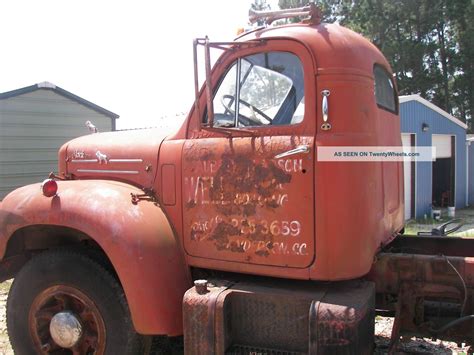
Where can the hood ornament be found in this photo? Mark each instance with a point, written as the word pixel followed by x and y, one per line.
pixel 101 157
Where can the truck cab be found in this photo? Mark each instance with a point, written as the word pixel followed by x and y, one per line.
pixel 255 197
pixel 238 190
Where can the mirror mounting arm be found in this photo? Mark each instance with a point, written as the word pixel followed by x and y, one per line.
pixel 210 109
pixel 196 80
pixel 226 46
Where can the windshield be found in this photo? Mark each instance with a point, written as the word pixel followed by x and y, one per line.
pixel 270 88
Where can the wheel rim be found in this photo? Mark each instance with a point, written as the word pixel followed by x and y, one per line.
pixel 62 299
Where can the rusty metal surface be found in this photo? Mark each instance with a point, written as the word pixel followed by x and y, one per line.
pixel 199 318
pixel 452 246
pixel 334 59
pixel 239 200
pixel 128 156
pixel 238 207
pixel 137 238
pixel 266 318
pixel 281 317
pixel 393 269
pixel 311 14
pixel 427 287
pixel 210 109
pixel 246 350
pixel 84 334
pixel 343 321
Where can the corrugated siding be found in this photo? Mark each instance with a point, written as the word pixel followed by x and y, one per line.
pixel 33 127
pixel 471 174
pixel 413 114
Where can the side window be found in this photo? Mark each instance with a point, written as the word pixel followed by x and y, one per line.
pixel 385 94
pixel 269 90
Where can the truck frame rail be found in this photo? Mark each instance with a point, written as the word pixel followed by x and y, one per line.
pixel 427 284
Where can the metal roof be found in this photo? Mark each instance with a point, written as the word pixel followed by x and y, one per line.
pixel 45 85
pixel 416 97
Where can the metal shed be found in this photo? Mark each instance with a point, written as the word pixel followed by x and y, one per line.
pixel 440 183
pixel 34 122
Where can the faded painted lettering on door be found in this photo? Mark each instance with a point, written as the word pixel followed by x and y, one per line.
pixel 243 204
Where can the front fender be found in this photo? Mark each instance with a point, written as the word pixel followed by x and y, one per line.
pixel 137 238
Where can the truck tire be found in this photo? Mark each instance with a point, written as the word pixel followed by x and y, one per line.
pixel 60 289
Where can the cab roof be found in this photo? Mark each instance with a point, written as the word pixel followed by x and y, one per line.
pixel 334 47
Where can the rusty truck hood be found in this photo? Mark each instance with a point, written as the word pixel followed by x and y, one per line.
pixel 129 156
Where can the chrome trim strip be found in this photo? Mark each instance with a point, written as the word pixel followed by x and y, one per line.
pixel 84 161
pixel 303 149
pixel 125 160
pixel 129 172
pixel 110 161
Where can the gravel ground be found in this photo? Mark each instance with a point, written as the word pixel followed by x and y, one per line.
pixel 383 328
pixel 5 348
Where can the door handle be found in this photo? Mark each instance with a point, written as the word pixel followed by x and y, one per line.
pixel 301 149
pixel 326 126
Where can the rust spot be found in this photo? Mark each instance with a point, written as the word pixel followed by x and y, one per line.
pixel 262 252
pixel 235 188
pixel 259 235
pixel 220 235
pixel 196 234
pixel 250 210
pixel 272 204
pixel 190 204
pixel 193 154
pixel 206 155
pixel 240 175
pixel 235 248
pixel 266 239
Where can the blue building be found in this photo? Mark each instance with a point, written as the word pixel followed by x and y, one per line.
pixel 444 181
pixel 470 172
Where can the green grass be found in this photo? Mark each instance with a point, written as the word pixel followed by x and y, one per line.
pixel 426 225
pixel 430 220
pixel 466 234
pixel 411 230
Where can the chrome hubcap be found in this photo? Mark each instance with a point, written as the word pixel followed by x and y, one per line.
pixel 65 329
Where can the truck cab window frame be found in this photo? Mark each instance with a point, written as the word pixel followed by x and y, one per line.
pixel 270 91
pixel 384 90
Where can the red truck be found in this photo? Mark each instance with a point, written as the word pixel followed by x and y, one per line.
pixel 231 232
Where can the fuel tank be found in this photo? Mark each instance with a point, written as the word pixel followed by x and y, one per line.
pixel 129 156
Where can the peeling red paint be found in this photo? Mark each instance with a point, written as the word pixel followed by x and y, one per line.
pixel 239 200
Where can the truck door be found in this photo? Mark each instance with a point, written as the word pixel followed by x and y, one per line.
pixel 248 183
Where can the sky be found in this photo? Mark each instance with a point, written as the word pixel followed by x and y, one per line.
pixel 133 58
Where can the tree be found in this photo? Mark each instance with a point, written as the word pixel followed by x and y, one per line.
pixel 260 5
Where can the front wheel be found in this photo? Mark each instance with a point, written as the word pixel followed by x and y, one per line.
pixel 65 303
